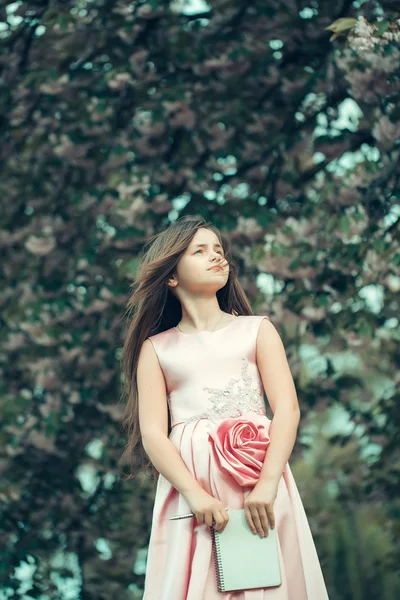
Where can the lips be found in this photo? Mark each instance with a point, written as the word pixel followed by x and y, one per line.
pixel 215 267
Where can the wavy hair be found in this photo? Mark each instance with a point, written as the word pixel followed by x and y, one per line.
pixel 152 308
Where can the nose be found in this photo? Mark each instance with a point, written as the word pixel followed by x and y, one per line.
pixel 217 261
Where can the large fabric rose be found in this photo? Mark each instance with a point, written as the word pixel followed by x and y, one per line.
pixel 240 445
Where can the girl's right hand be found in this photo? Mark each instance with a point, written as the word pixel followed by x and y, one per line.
pixel 206 508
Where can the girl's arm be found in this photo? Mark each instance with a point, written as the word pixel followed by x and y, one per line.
pixel 281 394
pixel 153 420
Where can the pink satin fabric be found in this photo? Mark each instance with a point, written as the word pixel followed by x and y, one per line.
pixel 240 445
pixel 221 430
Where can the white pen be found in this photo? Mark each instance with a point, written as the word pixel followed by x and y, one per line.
pixel 184 516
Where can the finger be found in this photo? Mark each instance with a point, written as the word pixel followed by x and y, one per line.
pixel 264 520
pixel 219 520
pixel 257 521
pixel 200 518
pixel 225 516
pixel 249 520
pixel 216 520
pixel 271 517
pixel 208 519
pixel 225 513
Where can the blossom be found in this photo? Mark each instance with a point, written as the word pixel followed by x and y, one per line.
pixel 240 444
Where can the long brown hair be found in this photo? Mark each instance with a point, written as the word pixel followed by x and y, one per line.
pixel 152 308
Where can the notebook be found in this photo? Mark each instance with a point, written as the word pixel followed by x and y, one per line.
pixel 243 560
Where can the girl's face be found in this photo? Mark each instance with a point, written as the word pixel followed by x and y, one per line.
pixel 197 268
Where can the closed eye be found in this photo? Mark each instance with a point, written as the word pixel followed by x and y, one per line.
pixel 200 250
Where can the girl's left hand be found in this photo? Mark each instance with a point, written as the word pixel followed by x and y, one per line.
pixel 258 507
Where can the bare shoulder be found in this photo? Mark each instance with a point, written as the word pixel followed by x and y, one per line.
pixel 274 369
pixel 147 346
pixel 268 334
pixel 148 355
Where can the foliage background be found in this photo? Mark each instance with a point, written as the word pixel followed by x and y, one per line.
pixel 118 117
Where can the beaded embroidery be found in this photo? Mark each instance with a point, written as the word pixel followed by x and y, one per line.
pixel 229 402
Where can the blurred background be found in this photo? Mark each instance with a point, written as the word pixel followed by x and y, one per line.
pixel 277 120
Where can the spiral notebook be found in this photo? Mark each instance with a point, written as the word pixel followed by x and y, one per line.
pixel 243 560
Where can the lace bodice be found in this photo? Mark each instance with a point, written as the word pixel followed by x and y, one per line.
pixel 211 375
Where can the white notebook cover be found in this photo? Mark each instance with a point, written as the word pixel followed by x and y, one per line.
pixel 243 560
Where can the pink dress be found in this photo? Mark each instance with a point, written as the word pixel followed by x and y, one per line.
pixel 215 395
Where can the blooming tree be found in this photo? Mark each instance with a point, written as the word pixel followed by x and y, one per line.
pixel 278 121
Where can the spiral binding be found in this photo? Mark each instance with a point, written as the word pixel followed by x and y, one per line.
pixel 217 560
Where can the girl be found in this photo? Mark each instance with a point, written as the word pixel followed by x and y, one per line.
pixel 196 365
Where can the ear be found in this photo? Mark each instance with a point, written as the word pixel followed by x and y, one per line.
pixel 172 282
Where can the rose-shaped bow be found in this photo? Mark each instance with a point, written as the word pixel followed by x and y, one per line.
pixel 240 445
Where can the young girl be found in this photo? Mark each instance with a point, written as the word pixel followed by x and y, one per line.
pixel 196 365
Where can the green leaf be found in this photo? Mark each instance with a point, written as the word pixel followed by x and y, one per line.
pixel 344 223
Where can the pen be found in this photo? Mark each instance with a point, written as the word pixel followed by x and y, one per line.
pixel 184 516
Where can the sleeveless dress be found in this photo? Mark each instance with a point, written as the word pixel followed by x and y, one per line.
pixel 215 394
